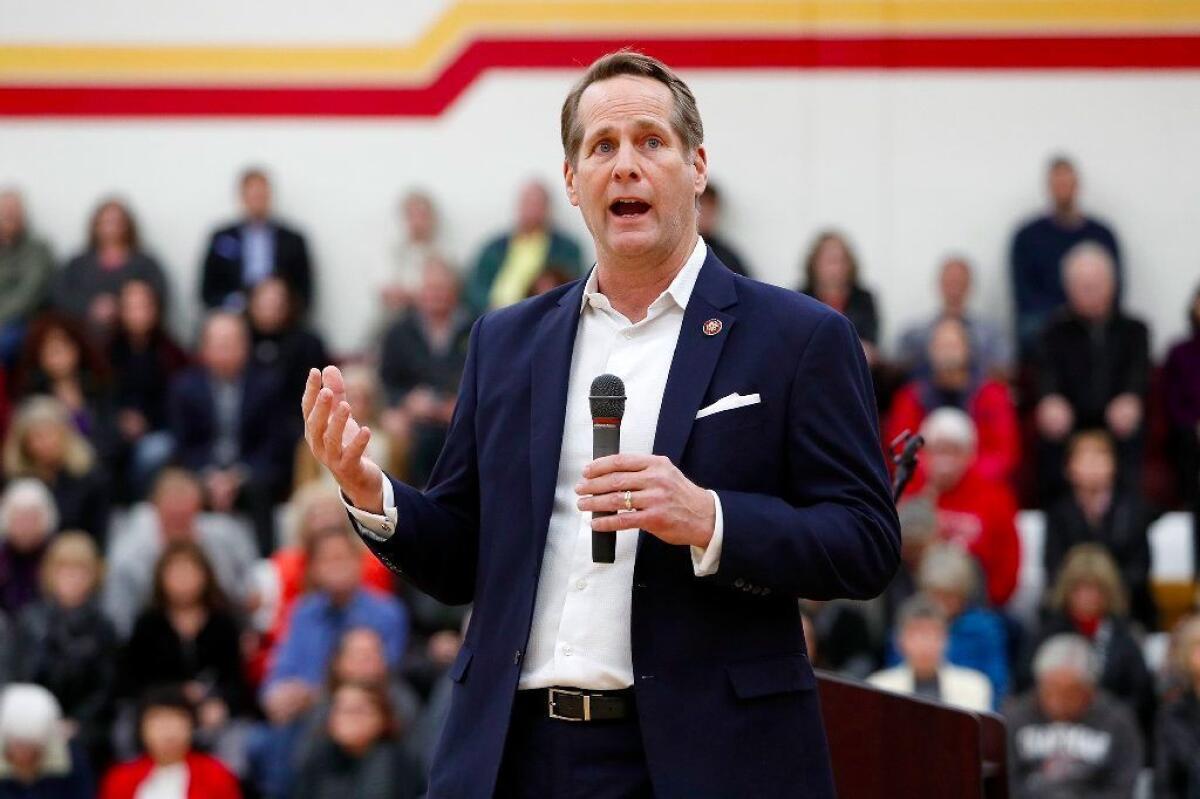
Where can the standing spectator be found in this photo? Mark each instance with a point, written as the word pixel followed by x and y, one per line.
pixel 1181 386
pixel 990 348
pixel 359 754
pixel 28 519
pixel 171 768
pixel 36 760
pixel 1089 600
pixel 1066 738
pixel 831 275
pixel 65 643
pixel 419 218
pixel 421 364
pixel 1039 246
pixel 921 638
pixel 1097 509
pixel 88 286
pixel 954 378
pixel 1177 749
pixel 709 224
pixel 173 517
pixel 226 421
pixel 26 272
pixel 43 443
pixel 279 340
pixel 252 249
pixel 977 639
pixel 145 358
pixel 974 513
pixel 1093 366
pixel 509 264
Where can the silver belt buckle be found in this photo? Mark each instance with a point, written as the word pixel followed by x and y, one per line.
pixel 587 704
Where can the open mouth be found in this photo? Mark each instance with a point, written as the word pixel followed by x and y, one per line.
pixel 629 208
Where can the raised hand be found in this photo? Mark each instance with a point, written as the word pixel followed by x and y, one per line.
pixel 338 442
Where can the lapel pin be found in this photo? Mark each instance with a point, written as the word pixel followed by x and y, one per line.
pixel 712 327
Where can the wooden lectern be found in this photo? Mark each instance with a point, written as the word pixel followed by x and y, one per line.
pixel 884 744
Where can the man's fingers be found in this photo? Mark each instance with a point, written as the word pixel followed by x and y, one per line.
pixel 614 482
pixel 616 501
pixel 335 431
pixel 622 521
pixel 332 377
pixel 311 388
pixel 317 420
pixel 357 446
pixel 621 462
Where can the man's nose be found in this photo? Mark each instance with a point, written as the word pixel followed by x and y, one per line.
pixel 626 164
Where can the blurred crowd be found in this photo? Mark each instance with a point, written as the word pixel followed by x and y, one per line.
pixel 186 611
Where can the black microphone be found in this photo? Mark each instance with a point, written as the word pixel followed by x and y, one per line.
pixel 607 401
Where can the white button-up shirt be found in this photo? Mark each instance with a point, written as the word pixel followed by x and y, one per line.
pixel 581 618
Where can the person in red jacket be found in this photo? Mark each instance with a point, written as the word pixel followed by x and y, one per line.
pixel 952 379
pixel 170 768
pixel 973 511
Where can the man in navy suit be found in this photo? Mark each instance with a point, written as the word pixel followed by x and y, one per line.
pixel 750 475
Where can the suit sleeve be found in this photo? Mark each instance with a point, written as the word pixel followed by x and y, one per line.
pixel 835 533
pixel 436 541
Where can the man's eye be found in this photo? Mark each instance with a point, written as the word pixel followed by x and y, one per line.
pixel 654 142
pixel 604 147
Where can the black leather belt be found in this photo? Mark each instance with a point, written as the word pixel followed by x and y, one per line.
pixel 574 704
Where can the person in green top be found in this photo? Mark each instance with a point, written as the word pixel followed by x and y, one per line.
pixel 26 269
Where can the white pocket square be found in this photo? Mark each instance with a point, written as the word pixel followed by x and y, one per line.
pixel 728 404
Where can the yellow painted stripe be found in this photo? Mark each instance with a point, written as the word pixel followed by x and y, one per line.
pixel 470 19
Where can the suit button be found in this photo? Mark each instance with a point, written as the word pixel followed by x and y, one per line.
pixel 739 582
pixel 387 528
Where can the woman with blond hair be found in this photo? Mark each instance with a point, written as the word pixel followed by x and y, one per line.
pixel 43 443
pixel 65 643
pixel 1089 599
pixel 1177 741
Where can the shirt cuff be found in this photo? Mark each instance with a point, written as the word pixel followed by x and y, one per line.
pixel 374 525
pixel 706 560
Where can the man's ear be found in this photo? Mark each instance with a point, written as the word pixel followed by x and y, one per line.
pixel 700 163
pixel 569 181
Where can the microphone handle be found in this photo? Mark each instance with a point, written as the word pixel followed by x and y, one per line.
pixel 606 440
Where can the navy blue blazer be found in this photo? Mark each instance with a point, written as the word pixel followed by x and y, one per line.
pixel 725 692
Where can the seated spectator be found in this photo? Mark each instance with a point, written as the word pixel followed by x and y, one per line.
pixel 1038 248
pixel 228 421
pixel 337 601
pixel 28 519
pixel 974 513
pixel 955 379
pixel 1097 509
pixel 1093 365
pixel 1181 388
pixel 1065 737
pixel 36 760
pixel 171 768
pixel 709 223
pixel 172 517
pixel 1089 600
pixel 65 643
pixel 419 218
pixel 60 361
pixel 255 247
pixel 1177 742
pixel 831 276
pixel 359 750
pixel 421 363
pixel 977 638
pixel 26 273
pixel 921 639
pixel 145 358
pixel 387 446
pixel 88 286
pixel 279 340
pixel 918 532
pixel 989 347
pixel 509 264
pixel 43 444
pixel 843 637
pixel 188 637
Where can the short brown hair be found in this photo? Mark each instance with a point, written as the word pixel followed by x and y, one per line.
pixel 685 118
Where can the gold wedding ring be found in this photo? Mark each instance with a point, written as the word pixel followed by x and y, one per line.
pixel 628 500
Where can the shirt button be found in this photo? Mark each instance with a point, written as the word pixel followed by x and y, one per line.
pixel 580 585
pixel 387 528
pixel 567 650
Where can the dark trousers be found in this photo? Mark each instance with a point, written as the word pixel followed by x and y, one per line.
pixel 547 758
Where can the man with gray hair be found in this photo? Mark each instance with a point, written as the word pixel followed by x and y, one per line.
pixel 1093 368
pixel 1067 738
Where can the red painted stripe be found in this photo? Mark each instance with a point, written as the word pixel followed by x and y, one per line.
pixel 895 53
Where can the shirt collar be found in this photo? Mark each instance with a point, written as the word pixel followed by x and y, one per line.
pixel 680 289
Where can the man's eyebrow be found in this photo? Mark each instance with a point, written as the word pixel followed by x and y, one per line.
pixel 641 123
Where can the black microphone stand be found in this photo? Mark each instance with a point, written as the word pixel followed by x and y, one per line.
pixel 905 460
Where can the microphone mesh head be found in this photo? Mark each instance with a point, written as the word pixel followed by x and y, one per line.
pixel 607 397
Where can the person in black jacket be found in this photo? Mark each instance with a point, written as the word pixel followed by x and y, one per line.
pixel 64 642
pixel 1177 761
pixel 243 254
pixel 709 221
pixel 831 275
pixel 279 341
pixel 1092 369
